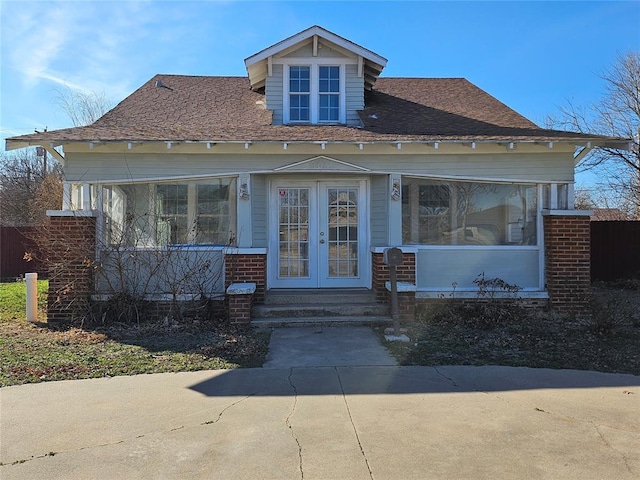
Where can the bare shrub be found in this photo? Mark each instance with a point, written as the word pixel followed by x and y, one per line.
pixel 497 303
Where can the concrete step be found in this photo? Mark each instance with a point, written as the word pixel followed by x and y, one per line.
pixel 302 296
pixel 336 309
pixel 354 321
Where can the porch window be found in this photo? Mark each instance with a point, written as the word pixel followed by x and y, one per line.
pixel 468 213
pixel 158 214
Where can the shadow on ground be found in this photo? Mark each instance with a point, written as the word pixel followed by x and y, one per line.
pixel 403 380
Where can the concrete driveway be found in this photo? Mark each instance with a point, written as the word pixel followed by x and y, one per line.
pixel 366 422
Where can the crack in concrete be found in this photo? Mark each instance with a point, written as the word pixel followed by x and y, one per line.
pixel 288 421
pixel 53 454
pixel 590 423
pixel 604 440
pixel 556 415
pixel 108 444
pixel 353 425
pixel 451 380
pixel 212 422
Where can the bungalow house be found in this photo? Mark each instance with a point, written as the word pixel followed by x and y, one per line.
pixel 302 173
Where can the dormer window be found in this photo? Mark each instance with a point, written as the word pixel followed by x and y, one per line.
pixel 329 94
pixel 314 93
pixel 299 93
pixel 314 77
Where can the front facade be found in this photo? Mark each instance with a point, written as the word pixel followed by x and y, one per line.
pixel 302 174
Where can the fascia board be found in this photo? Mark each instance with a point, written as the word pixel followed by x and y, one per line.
pixel 308 33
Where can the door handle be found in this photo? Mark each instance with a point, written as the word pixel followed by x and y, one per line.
pixel 322 240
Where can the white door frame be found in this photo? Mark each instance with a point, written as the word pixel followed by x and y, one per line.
pixel 318 252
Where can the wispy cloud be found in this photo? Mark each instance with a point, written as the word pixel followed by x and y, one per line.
pixel 86 46
pixel 33 35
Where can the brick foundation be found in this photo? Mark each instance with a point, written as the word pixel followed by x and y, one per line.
pixel 240 301
pixel 404 273
pixel 407 306
pixel 568 261
pixel 70 253
pixel 244 268
pixel 527 303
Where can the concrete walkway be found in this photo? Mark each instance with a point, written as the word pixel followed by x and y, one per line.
pixel 326 347
pixel 367 422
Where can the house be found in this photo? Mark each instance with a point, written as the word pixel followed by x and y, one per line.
pixel 302 173
pixel 608 214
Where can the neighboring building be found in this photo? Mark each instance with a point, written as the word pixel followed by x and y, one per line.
pixel 607 214
pixel 314 164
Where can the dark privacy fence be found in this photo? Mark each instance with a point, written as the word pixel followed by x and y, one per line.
pixel 615 249
pixel 14 242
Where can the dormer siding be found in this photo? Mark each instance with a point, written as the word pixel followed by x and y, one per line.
pixel 274 89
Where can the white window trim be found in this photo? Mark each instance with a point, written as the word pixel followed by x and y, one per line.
pixel 314 98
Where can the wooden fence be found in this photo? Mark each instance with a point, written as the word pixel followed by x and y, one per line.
pixel 615 249
pixel 14 242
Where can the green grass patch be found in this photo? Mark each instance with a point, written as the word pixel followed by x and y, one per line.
pixel 31 353
pixel 13 300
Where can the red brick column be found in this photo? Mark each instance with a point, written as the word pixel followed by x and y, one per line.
pixel 70 253
pixel 240 298
pixel 567 260
pixel 405 273
pixel 380 272
pixel 407 306
pixel 243 268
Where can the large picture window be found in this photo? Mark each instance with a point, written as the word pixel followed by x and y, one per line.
pixel 468 213
pixel 158 214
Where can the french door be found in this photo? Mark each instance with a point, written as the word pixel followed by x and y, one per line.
pixel 319 234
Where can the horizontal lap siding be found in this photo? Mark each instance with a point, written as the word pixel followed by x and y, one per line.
pixel 273 94
pixel 192 271
pixel 439 268
pixel 98 166
pixel 379 210
pixel 354 91
pixel 259 210
pixel 508 166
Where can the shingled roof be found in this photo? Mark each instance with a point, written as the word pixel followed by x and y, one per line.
pixel 225 109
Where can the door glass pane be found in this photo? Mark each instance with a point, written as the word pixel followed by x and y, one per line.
pixel 342 226
pixel 293 222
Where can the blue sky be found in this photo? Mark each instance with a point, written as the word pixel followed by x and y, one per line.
pixel 533 56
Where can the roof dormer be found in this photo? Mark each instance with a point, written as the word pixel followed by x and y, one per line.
pixel 314 77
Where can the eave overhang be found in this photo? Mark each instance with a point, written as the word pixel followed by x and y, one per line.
pixel 581 146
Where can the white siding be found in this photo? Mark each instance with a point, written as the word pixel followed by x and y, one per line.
pixel 307 51
pixel 259 210
pixel 438 268
pixel 143 272
pixel 379 210
pixel 533 167
pixel 273 94
pixel 354 91
pixel 546 167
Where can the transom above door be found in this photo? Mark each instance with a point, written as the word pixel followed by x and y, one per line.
pixel 318 234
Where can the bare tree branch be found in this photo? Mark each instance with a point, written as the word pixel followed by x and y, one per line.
pixel 82 108
pixel 27 188
pixel 616 114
